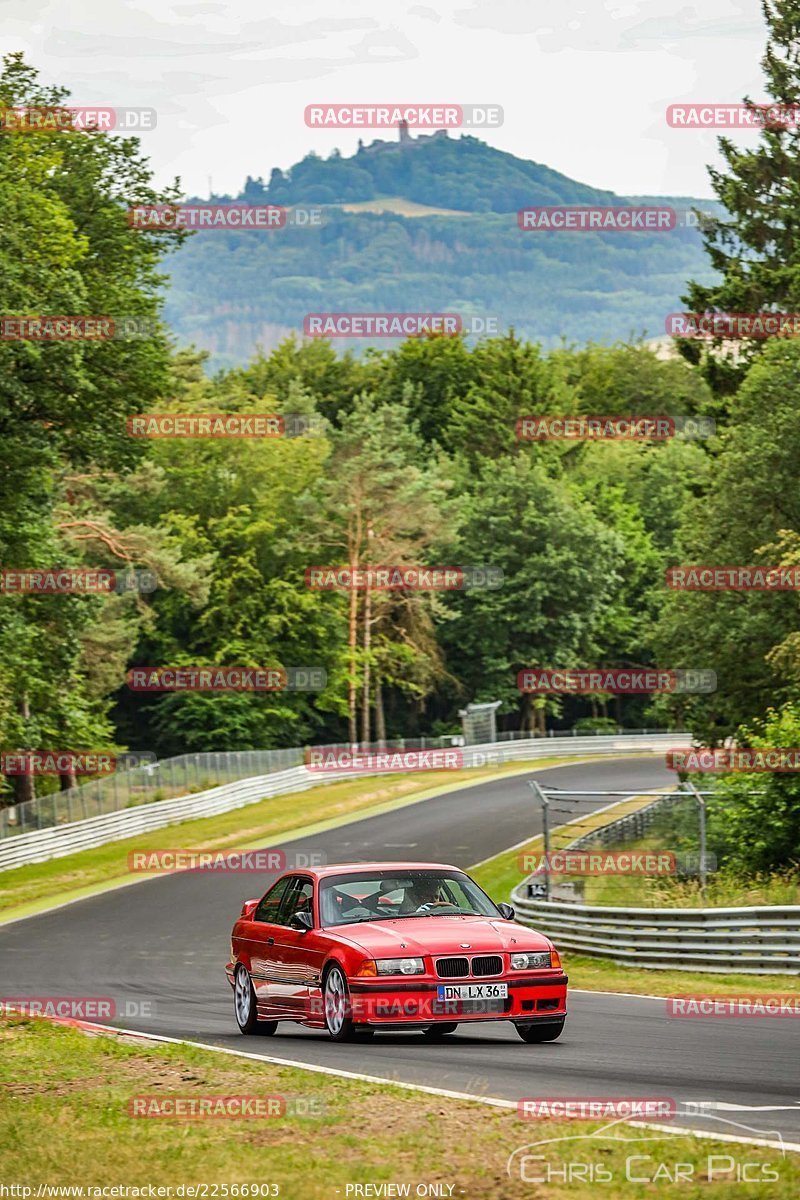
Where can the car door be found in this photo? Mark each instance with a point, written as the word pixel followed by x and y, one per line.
pixel 261 952
pixel 298 957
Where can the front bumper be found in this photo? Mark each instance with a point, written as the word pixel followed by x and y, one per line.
pixel 530 999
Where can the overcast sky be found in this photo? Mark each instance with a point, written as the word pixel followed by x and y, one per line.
pixel 583 83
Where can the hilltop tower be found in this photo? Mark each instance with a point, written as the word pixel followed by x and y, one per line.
pixel 405 135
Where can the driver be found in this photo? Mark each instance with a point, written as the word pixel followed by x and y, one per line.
pixel 426 895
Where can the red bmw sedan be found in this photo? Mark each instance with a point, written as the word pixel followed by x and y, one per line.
pixel 361 947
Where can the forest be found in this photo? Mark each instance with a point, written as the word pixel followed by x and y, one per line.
pixel 408 456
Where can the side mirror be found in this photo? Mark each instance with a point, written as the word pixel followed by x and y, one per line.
pixel 507 910
pixel 248 908
pixel 301 921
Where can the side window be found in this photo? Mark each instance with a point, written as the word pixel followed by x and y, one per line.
pixel 300 898
pixel 268 908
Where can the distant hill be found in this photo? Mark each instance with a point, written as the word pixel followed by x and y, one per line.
pixel 430 226
pixel 457 173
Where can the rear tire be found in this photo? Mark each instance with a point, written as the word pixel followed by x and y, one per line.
pixel 434 1032
pixel 244 1006
pixel 546 1032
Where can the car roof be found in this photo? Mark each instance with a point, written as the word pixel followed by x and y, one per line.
pixel 394 868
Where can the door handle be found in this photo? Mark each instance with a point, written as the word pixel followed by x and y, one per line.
pixel 270 941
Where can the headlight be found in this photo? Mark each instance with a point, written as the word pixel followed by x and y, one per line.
pixel 530 961
pixel 401 966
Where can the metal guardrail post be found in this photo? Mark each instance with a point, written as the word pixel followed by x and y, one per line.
pixel 534 786
pixel 701 812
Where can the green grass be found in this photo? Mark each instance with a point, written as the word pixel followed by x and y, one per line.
pixel 39 885
pixel 64 1121
pixel 501 874
pixel 723 888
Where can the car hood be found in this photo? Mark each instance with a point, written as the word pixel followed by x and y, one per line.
pixel 418 936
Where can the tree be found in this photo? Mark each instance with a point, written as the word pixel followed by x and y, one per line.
pixel 385 505
pixel 754 819
pixel 431 375
pixel 756 249
pixel 65 249
pixel 244 513
pixel 749 515
pixel 560 567
pixel 511 379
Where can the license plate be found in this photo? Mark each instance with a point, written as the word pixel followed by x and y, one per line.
pixel 472 991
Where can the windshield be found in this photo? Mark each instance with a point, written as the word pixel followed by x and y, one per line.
pixel 385 896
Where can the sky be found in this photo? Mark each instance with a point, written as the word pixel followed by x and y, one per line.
pixel 584 84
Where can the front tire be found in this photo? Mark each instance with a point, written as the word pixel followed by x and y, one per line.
pixel 336 1003
pixel 548 1031
pixel 244 1006
pixel 434 1032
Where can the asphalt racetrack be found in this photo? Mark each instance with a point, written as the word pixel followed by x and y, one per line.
pixel 162 945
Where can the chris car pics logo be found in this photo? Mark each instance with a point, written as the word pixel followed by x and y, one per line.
pixel 620 1153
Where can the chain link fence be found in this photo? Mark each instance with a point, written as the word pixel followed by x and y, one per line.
pixel 189 773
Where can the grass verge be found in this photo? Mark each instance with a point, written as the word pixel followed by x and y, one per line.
pixel 64 1121
pixel 501 874
pixel 723 890
pixel 40 885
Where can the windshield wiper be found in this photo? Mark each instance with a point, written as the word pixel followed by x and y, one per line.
pixel 359 920
pixel 458 913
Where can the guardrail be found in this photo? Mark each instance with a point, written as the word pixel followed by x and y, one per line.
pixel 752 941
pixel 167 778
pixel 59 840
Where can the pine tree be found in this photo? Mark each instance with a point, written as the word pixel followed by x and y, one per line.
pixel 756 249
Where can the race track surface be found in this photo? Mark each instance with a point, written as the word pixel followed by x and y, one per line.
pixel 163 944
